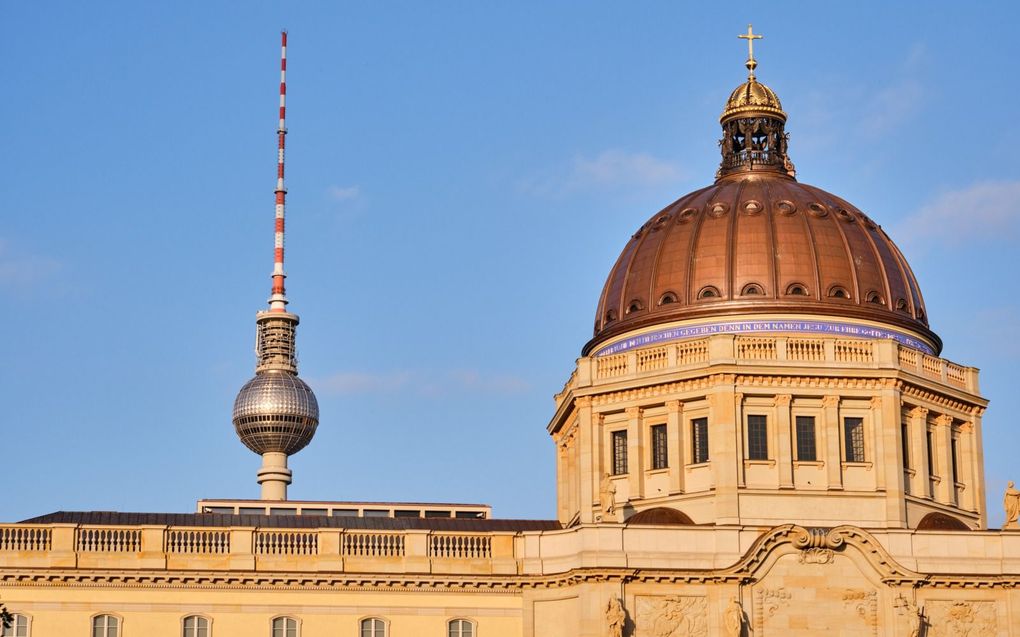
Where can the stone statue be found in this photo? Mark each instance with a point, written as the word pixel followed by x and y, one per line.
pixel 616 617
pixel 1011 502
pixel 733 618
pixel 607 498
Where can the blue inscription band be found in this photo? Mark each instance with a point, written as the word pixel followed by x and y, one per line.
pixel 739 327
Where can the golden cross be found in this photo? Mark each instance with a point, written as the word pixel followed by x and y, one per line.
pixel 750 37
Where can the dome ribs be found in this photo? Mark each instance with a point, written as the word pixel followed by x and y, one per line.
pixel 744 231
pixel 773 259
pixel 752 242
pixel 669 269
pixel 797 242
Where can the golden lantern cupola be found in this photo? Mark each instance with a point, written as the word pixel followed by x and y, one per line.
pixel 753 123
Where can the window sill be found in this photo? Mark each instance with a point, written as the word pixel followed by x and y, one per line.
pixel 809 463
pixel 863 465
pixel 699 465
pixel 655 472
pixel 759 463
pixel 910 472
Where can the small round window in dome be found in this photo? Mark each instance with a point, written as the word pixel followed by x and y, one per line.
pixel 709 292
pixel 661 221
pixel 796 289
pixel 752 289
pixel 817 210
pixel 875 297
pixel 920 314
pixel 610 316
pixel 753 207
pixel 901 305
pixel 635 306
pixel 686 215
pixel 718 209
pixel 667 298
pixel 838 292
pixel 786 207
pixel 846 215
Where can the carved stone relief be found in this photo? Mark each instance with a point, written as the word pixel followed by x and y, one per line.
pixel 816 556
pixel 961 619
pixel 672 616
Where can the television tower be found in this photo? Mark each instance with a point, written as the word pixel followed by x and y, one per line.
pixel 275 413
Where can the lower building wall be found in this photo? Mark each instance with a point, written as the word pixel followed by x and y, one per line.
pixel 56 612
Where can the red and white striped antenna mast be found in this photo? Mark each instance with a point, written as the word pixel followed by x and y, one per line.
pixel 278 300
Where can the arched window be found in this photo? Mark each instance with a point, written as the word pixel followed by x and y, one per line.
pixel 752 289
pixel 105 626
pixel 195 626
pixel 460 628
pixel 838 292
pixel 667 298
pixel 875 297
pixel 796 289
pixel 373 627
pixel 285 627
pixel 709 292
pixel 18 627
pixel 635 306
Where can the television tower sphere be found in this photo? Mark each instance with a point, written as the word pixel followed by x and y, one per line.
pixel 276 412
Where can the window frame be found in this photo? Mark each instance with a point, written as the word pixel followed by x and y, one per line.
pixel 14 626
pixel 462 620
pixel 851 445
pixel 118 630
pixel 798 433
pixel 373 618
pixel 699 440
pixel 658 434
pixel 297 625
pixel 205 618
pixel 757 446
pixel 618 452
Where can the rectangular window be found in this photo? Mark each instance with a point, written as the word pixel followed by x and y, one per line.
pixel 854 440
pixel 699 440
pixel 619 452
pixel 660 455
pixel 757 438
pixel 807 450
pixel 905 441
pixel 930 444
pixel 956 474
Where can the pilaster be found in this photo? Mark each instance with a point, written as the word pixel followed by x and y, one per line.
pixel 675 438
pixel 724 453
pixel 635 453
pixel 833 459
pixel 945 491
pixel 589 463
pixel 784 457
pixel 921 483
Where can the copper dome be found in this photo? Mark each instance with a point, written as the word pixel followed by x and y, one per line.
pixel 754 243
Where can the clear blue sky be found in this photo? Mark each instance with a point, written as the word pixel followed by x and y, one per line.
pixel 462 177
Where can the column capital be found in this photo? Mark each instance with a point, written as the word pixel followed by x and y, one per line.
pixel 674 405
pixel 830 401
pixel 632 412
pixel 783 400
pixel 582 401
pixel 918 412
pixel 944 420
pixel 876 402
pixel 967 428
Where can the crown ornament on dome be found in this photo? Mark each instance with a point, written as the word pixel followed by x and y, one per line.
pixel 753 122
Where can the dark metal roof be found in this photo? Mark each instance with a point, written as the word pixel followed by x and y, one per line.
pixel 290 521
